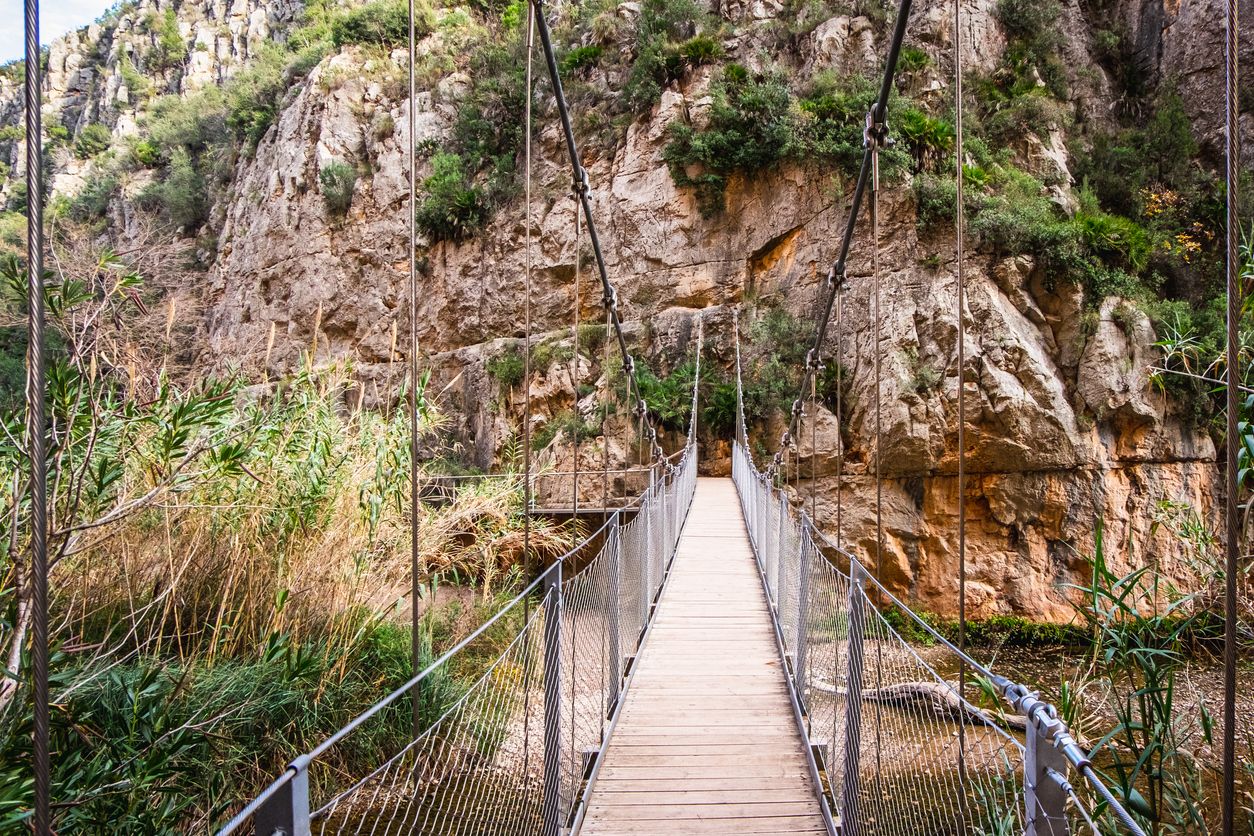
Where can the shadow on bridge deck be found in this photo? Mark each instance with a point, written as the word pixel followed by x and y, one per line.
pixel 707 741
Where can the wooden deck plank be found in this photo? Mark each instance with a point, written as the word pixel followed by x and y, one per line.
pixel 707 742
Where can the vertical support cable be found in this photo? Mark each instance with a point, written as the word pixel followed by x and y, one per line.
pixel 840 432
pixel 959 217
pixel 414 582
pixel 527 562
pixel 1233 159
pixel 876 134
pixel 36 389
pixel 531 28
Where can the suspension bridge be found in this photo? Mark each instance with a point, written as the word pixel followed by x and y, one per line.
pixel 719 664
pixel 716 664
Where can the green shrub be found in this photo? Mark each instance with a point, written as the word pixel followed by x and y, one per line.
pixel 935 199
pixel 13 342
pixel 750 128
pixel 1022 219
pixel 507 367
pixel 1034 112
pixel 1120 165
pixel 546 354
pixel 254 96
pixel 569 424
pixel 57 133
pixel 170 49
pixel 454 208
pixel 929 139
pixel 660 27
pixel 12 231
pixel 581 57
pixel 700 50
pixel 1113 238
pixel 137 86
pixel 719 413
pixel 195 123
pixel 146 153
pixel 833 118
pixel 92 200
pixel 913 59
pixel 92 140
pixel 1034 43
pixel 17 197
pixel 383 22
pixel 490 119
pixel 337 180
pixel 670 397
pixel 181 196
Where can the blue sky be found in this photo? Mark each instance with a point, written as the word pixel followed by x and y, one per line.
pixel 56 17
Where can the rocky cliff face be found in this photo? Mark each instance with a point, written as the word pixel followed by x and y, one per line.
pixel 1064 428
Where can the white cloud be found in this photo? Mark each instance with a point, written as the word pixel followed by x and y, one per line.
pixel 56 18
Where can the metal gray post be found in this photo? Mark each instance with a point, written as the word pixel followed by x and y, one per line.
pixel 286 812
pixel 779 558
pixel 647 510
pixel 552 701
pixel 1044 798
pixel 849 824
pixel 803 620
pixel 615 637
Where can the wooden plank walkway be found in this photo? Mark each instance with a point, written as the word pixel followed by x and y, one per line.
pixel 707 741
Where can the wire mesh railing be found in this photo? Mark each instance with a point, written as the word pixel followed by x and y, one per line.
pixel 900 749
pixel 512 720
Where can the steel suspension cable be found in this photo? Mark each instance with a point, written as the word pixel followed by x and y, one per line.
pixel 414 581
pixel 36 392
pixel 583 192
pixel 836 274
pixel 1234 290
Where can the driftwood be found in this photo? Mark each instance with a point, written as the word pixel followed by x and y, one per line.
pixel 941 698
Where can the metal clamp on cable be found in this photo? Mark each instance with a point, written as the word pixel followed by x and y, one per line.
pixel 875 134
pixel 610 299
pixel 629 366
pixel 1044 717
pixel 580 186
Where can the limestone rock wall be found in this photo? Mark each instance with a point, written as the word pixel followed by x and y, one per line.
pixel 1064 428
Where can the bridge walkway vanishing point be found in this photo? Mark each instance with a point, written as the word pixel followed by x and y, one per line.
pixel 707 741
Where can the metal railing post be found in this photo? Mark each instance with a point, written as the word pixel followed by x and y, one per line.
pixel 803 619
pixel 1043 797
pixel 647 510
pixel 616 659
pixel 849 824
pixel 779 558
pixel 552 816
pixel 286 812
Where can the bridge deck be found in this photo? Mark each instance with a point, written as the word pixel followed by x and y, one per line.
pixel 707 741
